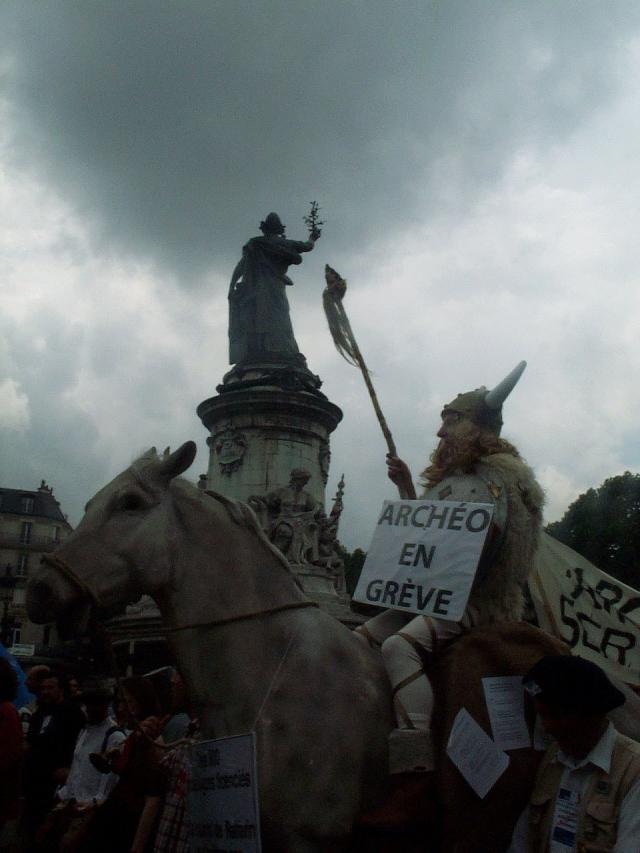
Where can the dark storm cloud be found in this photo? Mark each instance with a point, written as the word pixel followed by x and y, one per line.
pixel 174 127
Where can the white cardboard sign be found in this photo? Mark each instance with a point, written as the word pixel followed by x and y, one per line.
pixel 423 557
pixel 222 798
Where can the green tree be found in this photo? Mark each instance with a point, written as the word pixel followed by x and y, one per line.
pixel 603 525
pixel 353 563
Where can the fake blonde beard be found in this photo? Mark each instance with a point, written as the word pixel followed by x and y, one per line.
pixel 462 454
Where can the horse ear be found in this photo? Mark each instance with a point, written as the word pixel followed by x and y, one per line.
pixel 178 461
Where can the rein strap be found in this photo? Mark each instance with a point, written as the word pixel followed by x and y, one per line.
pixel 67 572
pixel 227 620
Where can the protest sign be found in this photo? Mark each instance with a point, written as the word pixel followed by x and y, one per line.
pixel 423 557
pixel 595 614
pixel 222 798
pixel 476 756
pixel 504 695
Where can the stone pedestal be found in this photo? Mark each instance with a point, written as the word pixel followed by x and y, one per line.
pixel 267 420
pixel 259 435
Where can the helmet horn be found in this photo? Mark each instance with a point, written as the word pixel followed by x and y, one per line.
pixel 496 397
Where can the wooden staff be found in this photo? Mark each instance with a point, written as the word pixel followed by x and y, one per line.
pixel 346 344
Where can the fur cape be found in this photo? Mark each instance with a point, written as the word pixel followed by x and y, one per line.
pixel 499 597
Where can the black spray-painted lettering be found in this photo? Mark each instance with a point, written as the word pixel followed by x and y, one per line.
pixel 566 605
pixel 584 629
pixel 588 640
pixel 629 641
pixel 629 607
pixel 609 593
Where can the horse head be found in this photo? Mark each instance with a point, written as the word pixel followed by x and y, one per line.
pixel 118 551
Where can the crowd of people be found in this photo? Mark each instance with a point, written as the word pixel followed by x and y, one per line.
pixel 85 767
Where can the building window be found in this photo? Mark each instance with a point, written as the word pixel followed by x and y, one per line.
pixel 15 635
pixel 46 635
pixel 23 563
pixel 25 532
pixel 56 534
pixel 27 505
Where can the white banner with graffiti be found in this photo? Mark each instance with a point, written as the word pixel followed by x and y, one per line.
pixel 596 615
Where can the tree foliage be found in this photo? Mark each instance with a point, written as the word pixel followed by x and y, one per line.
pixel 603 525
pixel 353 563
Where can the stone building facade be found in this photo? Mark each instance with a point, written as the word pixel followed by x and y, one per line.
pixel 31 524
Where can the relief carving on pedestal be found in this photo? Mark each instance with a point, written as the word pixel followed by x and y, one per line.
pixel 230 446
pixel 291 517
pixel 324 460
pixel 297 524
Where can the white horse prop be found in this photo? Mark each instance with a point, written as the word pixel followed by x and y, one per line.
pixel 255 653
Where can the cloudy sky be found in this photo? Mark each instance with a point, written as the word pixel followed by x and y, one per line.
pixel 477 165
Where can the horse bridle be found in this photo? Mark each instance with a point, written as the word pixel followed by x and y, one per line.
pixel 67 572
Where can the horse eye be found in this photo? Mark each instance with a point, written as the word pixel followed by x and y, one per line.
pixel 131 501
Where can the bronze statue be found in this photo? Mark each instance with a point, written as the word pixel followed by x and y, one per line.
pixel 259 323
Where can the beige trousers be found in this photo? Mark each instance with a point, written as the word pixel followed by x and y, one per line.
pixel 401 638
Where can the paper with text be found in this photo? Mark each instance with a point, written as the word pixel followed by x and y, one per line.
pixel 505 702
pixel 475 755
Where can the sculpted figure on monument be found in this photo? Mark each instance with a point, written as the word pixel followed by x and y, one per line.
pixel 291 517
pixel 259 322
pixel 471 463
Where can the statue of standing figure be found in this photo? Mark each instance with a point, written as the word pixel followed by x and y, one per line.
pixel 259 323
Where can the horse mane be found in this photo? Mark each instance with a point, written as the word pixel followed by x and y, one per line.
pixel 242 514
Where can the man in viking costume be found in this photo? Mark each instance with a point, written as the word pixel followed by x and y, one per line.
pixel 471 463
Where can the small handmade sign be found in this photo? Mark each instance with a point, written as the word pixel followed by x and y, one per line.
pixel 423 557
pixel 222 797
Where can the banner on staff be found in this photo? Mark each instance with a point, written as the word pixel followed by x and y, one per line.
pixel 423 557
pixel 595 614
pixel 222 797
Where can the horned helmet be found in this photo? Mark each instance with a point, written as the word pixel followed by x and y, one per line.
pixel 483 407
